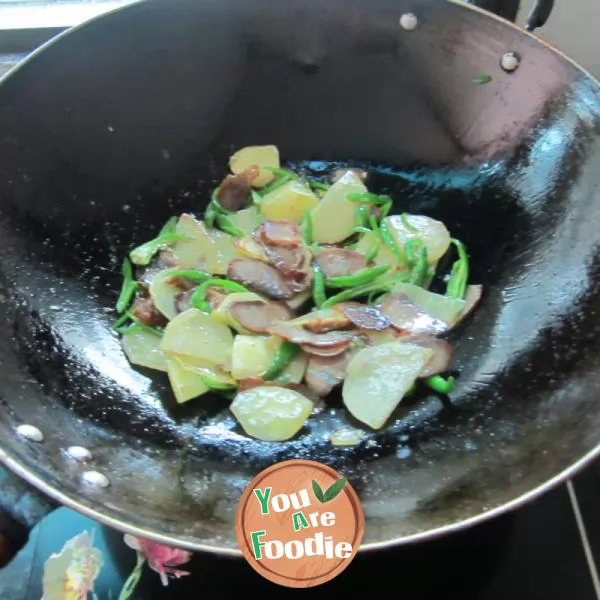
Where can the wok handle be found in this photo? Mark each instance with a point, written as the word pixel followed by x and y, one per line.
pixel 539 14
pixel 21 509
pixel 509 9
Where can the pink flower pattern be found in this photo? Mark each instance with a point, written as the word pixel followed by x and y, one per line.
pixel 162 559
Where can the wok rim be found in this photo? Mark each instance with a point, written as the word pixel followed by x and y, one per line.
pixel 12 462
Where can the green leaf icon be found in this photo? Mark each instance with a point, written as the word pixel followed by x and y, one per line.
pixel 482 79
pixel 334 489
pixel 318 491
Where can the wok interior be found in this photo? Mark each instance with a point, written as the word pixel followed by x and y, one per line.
pixel 133 131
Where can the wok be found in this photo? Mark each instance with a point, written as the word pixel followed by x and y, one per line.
pixel 130 119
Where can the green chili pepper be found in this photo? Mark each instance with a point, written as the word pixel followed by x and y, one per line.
pixel 256 198
pixel 359 229
pixel 363 290
pixel 319 296
pixel 216 385
pixel 128 329
pixel 224 224
pixel 407 225
pixel 148 328
pixel 362 216
pixel 371 297
pixel 369 198
pixel 198 299
pixel 283 357
pixel 169 226
pixel 389 241
pixel 307 228
pixel 420 269
pixel 117 325
pixel 191 274
pixel 385 209
pixel 440 384
pixel 459 276
pixel 127 288
pixel 214 209
pixel 277 183
pixel 373 251
pixel 281 172
pixel 317 185
pixel 361 278
pixel 143 254
pixel 411 250
pixel 210 214
pixel 373 223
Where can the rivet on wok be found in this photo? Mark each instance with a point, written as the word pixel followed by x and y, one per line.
pixel 510 61
pixel 79 453
pixel 96 479
pixel 408 21
pixel 31 433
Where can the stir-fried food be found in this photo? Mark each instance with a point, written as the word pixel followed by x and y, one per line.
pixel 287 288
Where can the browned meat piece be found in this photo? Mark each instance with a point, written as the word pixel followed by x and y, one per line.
pixel 260 277
pixel 339 262
pixel 147 313
pixel 339 348
pixel 181 282
pixel 296 334
pixel 364 317
pixel 215 297
pixel 234 190
pixel 279 233
pixel 323 320
pixel 182 300
pixel 258 316
pixel 472 298
pixel 407 317
pixel 287 260
pixel 442 354
pixel 324 373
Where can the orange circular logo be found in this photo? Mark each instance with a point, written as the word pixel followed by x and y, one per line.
pixel 299 523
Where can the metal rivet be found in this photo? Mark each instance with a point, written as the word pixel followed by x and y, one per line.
pixel 79 453
pixel 96 479
pixel 31 433
pixel 510 61
pixel 408 21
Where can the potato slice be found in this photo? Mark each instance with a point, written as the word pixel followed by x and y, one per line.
pixel 207 250
pixel 199 336
pixel 270 413
pixel 435 305
pixel 253 355
pixel 163 293
pixel 378 377
pixel 142 348
pixel 433 233
pixel 261 156
pixel 185 383
pixel 294 372
pixel 334 216
pixel 246 220
pixel 288 203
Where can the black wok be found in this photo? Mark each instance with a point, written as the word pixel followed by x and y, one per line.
pixel 130 119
